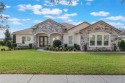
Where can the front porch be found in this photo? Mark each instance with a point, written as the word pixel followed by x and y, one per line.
pixel 44 39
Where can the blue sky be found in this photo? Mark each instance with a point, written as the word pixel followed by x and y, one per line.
pixel 25 13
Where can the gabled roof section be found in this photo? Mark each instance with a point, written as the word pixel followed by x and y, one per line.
pixel 104 23
pixel 35 26
pixel 79 25
pixel 67 25
pixel 25 31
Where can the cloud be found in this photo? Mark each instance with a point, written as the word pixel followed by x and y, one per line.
pixel 48 16
pixel 116 18
pixel 72 22
pixel 7 6
pixel 37 21
pixel 34 8
pixel 15 21
pixel 38 10
pixel 65 10
pixel 100 13
pixel 5 15
pixel 55 11
pixel 88 2
pixel 62 2
pixel 26 19
pixel 66 16
pixel 117 24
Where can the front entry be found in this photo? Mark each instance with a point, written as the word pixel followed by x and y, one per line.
pixel 43 41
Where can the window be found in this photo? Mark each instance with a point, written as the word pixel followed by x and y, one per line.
pixel 106 40
pixel 70 40
pixel 92 40
pixel 99 40
pixel 28 38
pixel 23 40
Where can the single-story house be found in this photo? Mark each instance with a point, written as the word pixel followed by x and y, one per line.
pixel 99 35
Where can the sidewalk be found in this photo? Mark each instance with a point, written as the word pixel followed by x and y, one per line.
pixel 19 78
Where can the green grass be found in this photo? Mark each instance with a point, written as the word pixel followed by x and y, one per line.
pixel 1 47
pixel 35 62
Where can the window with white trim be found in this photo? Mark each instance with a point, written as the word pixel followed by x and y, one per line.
pixel 70 40
pixel 106 40
pixel 92 40
pixel 28 38
pixel 99 40
pixel 23 40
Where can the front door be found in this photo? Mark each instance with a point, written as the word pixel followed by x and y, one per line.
pixel 43 41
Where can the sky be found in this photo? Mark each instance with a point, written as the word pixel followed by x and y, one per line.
pixel 26 13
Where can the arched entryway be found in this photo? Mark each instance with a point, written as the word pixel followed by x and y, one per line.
pixel 55 36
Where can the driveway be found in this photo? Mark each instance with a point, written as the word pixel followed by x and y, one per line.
pixel 19 78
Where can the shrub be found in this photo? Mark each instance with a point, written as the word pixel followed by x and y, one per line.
pixel 65 49
pixel 46 48
pixel 9 44
pixel 74 49
pixel 65 45
pixel 30 46
pixel 70 48
pixel 14 45
pixel 56 43
pixel 2 49
pixel 57 49
pixel 22 47
pixel 115 47
pixel 85 47
pixel 2 43
pixel 77 47
pixel 122 45
pixel 60 49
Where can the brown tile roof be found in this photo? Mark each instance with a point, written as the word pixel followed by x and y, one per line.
pixel 79 24
pixel 68 26
pixel 25 31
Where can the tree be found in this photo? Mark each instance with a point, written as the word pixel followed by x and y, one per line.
pixel 14 38
pixel 3 17
pixel 7 36
pixel 123 1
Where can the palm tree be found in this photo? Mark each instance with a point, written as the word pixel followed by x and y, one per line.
pixel 123 1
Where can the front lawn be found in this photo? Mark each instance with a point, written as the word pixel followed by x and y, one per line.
pixel 3 47
pixel 35 62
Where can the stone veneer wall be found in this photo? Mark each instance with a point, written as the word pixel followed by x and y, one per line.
pixel 99 27
pixel 48 28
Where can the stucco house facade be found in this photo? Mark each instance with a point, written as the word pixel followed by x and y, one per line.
pixel 99 35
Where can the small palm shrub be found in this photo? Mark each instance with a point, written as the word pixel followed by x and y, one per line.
pixel 56 43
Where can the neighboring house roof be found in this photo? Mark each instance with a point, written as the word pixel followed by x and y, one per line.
pixel 25 31
pixel 68 26
pixel 79 25
pixel 104 23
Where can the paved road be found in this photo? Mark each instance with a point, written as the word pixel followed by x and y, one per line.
pixel 17 78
